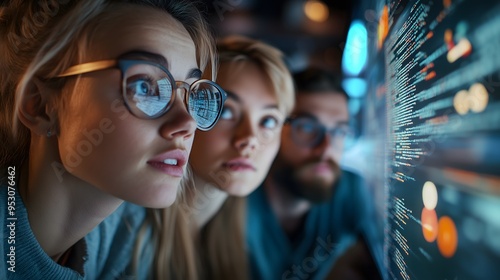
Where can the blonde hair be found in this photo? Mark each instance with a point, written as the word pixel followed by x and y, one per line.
pixel 40 39
pixel 234 49
pixel 172 236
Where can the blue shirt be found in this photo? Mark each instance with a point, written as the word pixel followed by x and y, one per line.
pixel 328 230
pixel 106 251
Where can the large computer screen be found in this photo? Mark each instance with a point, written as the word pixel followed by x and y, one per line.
pixel 431 130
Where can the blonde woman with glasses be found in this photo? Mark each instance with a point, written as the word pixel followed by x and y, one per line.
pixel 100 101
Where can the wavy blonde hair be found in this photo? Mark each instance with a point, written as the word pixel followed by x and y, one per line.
pixel 236 49
pixel 40 39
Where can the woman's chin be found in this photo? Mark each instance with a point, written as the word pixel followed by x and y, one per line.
pixel 238 189
pixel 160 199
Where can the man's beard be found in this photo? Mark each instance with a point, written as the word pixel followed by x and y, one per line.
pixel 315 189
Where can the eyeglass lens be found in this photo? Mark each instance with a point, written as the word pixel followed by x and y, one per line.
pixel 205 103
pixel 308 132
pixel 149 94
pixel 148 90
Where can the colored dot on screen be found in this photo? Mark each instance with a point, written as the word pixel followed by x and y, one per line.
pixel 447 239
pixel 478 97
pixel 429 224
pixel 429 195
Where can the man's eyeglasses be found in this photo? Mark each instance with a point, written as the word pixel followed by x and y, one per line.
pixel 148 90
pixel 308 132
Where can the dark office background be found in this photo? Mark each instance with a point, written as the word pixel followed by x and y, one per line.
pixel 309 32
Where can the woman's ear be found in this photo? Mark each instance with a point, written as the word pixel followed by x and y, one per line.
pixel 36 108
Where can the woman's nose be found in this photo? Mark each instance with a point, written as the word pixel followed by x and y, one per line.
pixel 177 121
pixel 246 138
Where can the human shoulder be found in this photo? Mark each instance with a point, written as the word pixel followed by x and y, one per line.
pixel 351 175
pixel 351 184
pixel 22 257
pixel 127 217
pixel 111 243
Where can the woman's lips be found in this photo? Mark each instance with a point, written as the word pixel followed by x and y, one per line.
pixel 240 164
pixel 172 170
pixel 171 162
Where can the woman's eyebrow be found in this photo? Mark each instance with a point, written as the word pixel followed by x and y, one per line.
pixel 159 59
pixel 233 96
pixel 272 107
pixel 149 56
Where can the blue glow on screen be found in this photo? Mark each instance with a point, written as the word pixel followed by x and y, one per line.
pixel 356 49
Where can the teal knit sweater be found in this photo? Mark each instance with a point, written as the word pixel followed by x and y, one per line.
pixel 105 253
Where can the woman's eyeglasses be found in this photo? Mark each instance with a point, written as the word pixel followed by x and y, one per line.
pixel 308 132
pixel 148 90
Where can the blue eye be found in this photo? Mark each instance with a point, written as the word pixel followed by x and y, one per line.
pixel 269 122
pixel 141 86
pixel 148 95
pixel 226 113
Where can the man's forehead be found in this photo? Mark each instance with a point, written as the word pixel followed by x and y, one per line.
pixel 314 102
pixel 325 107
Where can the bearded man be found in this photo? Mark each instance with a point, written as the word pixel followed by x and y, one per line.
pixel 309 213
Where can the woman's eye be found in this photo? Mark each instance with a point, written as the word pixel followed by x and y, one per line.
pixel 269 122
pixel 142 87
pixel 226 113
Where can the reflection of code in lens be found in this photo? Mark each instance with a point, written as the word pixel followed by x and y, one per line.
pixel 204 105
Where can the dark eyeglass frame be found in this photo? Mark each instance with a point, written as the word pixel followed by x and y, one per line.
pixel 125 64
pixel 338 132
